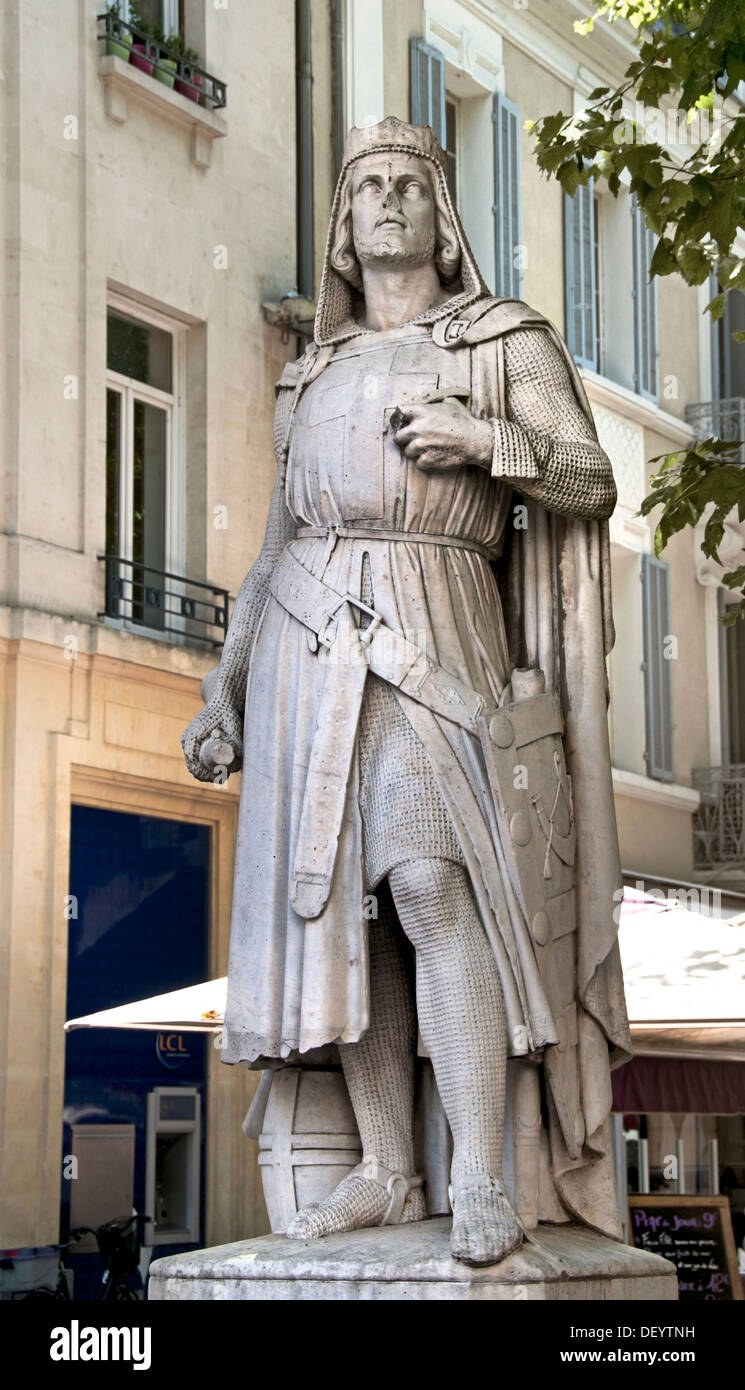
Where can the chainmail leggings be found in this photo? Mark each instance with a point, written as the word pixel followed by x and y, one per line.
pixel 461 1019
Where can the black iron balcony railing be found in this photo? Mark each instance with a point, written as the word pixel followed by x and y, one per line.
pixel 163 602
pixel 165 64
pixel 719 821
pixel 723 419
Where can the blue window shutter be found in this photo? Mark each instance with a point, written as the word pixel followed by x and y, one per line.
pixel 579 276
pixel 715 341
pixel 657 668
pixel 428 87
pixel 645 307
pixel 507 201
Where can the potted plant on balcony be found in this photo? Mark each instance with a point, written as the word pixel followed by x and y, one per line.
pixel 167 78
pixel 140 57
pixel 119 41
pixel 148 56
pixel 190 82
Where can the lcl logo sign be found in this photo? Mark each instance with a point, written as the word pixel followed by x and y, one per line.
pixel 170 1050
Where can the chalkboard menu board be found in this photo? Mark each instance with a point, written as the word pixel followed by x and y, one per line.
pixel 696 1234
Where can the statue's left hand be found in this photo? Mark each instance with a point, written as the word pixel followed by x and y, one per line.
pixel 444 434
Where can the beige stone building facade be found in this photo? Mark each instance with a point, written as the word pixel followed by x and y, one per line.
pixel 121 195
pixel 143 229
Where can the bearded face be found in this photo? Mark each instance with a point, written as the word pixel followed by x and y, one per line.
pixel 393 210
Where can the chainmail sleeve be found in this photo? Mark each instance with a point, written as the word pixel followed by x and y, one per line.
pixel 546 443
pixel 230 682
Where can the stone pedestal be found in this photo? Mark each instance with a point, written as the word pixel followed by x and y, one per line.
pixel 414 1262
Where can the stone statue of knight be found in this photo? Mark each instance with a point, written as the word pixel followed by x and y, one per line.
pixel 414 684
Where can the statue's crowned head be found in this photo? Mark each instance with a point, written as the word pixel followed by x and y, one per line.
pixel 392 207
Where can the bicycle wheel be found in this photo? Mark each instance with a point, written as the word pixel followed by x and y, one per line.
pixel 124 1293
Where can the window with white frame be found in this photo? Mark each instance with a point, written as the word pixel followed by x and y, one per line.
pixel 476 127
pixel 159 17
pixel 144 473
pixel 728 355
pixel 581 275
pixel 646 347
pixel 611 304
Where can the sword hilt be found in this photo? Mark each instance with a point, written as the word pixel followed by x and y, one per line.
pixel 216 751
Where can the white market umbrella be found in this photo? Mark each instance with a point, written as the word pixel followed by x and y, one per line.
pixel 197 1009
pixel 684 975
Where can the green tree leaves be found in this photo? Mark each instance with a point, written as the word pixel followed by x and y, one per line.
pixel 666 131
pixel 704 484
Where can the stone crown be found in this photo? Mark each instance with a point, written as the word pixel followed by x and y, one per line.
pixel 392 134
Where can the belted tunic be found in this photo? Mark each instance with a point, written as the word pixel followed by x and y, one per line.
pixel 297 983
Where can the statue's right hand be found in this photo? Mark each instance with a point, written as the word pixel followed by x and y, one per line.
pixel 219 720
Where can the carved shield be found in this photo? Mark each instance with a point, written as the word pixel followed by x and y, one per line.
pixel 524 754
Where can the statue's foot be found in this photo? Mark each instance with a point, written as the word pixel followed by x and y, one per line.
pixel 485 1227
pixel 369 1196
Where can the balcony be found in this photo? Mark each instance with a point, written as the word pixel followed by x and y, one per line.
pixel 719 821
pixel 160 604
pixel 163 78
pixel 163 63
pixel 723 419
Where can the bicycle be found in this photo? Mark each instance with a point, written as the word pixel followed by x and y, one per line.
pixel 119 1245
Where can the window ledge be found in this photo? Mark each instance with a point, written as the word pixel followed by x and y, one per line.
pixel 602 391
pixel 154 634
pixel 640 788
pixel 122 82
